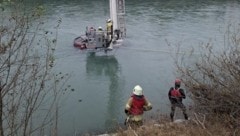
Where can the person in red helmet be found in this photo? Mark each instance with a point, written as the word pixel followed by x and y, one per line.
pixel 135 107
pixel 175 95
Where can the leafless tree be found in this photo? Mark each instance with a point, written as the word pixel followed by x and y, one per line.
pixel 213 78
pixel 29 89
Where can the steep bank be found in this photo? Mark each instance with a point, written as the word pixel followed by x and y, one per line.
pixel 197 126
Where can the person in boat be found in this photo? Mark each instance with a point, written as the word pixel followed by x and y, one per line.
pixel 135 107
pixel 92 32
pixel 100 28
pixel 109 35
pixel 101 36
pixel 175 95
pixel 109 29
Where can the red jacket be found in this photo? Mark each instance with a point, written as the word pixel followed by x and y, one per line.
pixel 137 105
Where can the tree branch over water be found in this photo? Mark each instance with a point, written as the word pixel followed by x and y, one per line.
pixel 213 78
pixel 29 89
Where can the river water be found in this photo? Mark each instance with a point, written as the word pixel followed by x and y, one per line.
pixel 104 82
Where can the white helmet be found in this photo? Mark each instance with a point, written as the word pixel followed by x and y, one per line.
pixel 100 28
pixel 109 20
pixel 137 90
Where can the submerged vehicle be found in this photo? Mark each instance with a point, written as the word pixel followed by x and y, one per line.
pixel 110 37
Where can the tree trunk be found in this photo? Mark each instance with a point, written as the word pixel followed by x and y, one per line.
pixel 1 113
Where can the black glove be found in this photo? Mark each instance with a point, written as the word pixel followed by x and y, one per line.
pixel 145 108
pixel 126 111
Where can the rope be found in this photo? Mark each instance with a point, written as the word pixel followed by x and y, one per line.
pixel 164 51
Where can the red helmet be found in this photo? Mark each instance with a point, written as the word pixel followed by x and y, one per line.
pixel 177 81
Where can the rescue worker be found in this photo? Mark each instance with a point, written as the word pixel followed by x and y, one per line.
pixel 100 28
pixel 109 36
pixel 100 38
pixel 109 29
pixel 175 95
pixel 136 106
pixel 91 32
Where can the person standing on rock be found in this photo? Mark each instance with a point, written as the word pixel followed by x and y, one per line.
pixel 175 95
pixel 135 107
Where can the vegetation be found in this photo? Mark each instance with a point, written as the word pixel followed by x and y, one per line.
pixel 167 128
pixel 212 82
pixel 29 90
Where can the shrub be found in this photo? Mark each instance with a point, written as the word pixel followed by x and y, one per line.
pixel 29 89
pixel 213 80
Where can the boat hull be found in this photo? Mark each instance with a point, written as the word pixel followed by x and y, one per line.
pixel 80 42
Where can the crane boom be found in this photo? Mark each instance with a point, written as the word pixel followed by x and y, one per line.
pixel 117 14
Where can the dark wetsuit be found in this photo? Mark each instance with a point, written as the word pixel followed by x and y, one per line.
pixel 176 101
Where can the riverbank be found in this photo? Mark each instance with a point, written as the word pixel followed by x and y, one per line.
pixel 198 125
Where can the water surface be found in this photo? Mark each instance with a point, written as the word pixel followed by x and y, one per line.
pixel 103 83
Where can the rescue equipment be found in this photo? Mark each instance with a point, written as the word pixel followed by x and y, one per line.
pixel 107 38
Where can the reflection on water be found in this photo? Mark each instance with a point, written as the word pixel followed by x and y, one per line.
pixel 108 66
pixel 100 83
pixel 101 65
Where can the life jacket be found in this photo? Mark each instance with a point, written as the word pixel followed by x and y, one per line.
pixel 175 93
pixel 137 105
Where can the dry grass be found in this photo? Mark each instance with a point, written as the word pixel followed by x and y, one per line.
pixel 213 127
pixel 212 80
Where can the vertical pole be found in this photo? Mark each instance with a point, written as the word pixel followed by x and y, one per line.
pixel 114 14
pixel 110 9
pixel 1 111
